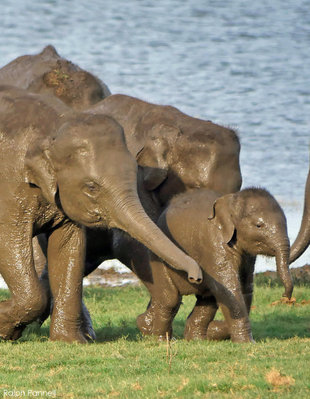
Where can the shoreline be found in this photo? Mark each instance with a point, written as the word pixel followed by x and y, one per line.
pixel 112 273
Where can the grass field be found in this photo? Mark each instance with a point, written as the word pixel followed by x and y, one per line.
pixel 122 364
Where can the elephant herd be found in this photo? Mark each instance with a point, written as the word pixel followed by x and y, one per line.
pixel 92 176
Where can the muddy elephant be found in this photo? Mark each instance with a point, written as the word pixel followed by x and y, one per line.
pixel 302 241
pixel 178 152
pixel 223 234
pixel 62 170
pixel 49 73
pixel 175 152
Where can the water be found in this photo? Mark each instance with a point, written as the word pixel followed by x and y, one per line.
pixel 241 64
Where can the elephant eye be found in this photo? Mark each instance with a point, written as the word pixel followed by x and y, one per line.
pixel 260 224
pixel 91 189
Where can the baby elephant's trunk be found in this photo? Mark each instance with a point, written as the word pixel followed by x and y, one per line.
pixel 282 261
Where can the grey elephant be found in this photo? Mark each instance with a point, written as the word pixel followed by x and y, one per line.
pixel 62 170
pixel 175 152
pixel 178 152
pixel 49 73
pixel 223 234
pixel 302 240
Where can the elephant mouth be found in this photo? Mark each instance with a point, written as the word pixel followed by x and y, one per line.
pixel 263 249
pixel 92 219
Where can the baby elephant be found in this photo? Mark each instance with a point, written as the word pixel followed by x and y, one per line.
pixel 223 234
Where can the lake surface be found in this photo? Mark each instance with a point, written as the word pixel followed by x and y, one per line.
pixel 237 63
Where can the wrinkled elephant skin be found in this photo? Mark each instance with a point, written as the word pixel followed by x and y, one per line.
pixel 224 234
pixel 48 73
pixel 69 170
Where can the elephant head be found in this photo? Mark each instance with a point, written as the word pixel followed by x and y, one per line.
pixel 196 154
pixel 303 238
pixel 253 222
pixel 88 173
pixel 49 73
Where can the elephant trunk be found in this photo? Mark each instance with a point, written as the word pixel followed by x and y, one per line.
pixel 132 218
pixel 303 238
pixel 282 261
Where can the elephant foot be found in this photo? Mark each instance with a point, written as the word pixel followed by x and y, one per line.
pixel 145 322
pixel 146 327
pixel 68 336
pixel 10 329
pixel 9 332
pixel 87 325
pixel 88 332
pixel 242 338
pixel 66 330
pixel 157 321
pixel 241 332
pixel 192 332
pixel 86 328
pixel 217 331
pixel 18 332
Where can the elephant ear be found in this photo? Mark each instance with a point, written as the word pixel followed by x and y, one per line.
pixel 222 213
pixel 39 169
pixel 154 155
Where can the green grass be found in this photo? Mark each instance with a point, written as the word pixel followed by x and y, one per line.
pixel 122 364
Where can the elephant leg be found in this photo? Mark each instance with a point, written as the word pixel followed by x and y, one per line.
pixel 219 330
pixel 46 284
pixel 66 251
pixel 40 260
pixel 86 322
pixel 145 320
pixel 165 297
pixel 159 315
pixel 163 317
pixel 158 318
pixel 200 317
pixel 28 297
pixel 228 292
pixel 247 281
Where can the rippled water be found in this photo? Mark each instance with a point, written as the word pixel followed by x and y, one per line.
pixel 237 63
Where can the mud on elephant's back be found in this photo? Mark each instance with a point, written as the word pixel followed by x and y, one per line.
pixel 49 73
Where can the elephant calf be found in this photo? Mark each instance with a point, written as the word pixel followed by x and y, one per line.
pixel 223 234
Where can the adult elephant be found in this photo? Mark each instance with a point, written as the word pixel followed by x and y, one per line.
pixel 302 241
pixel 62 170
pixel 175 152
pixel 49 73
